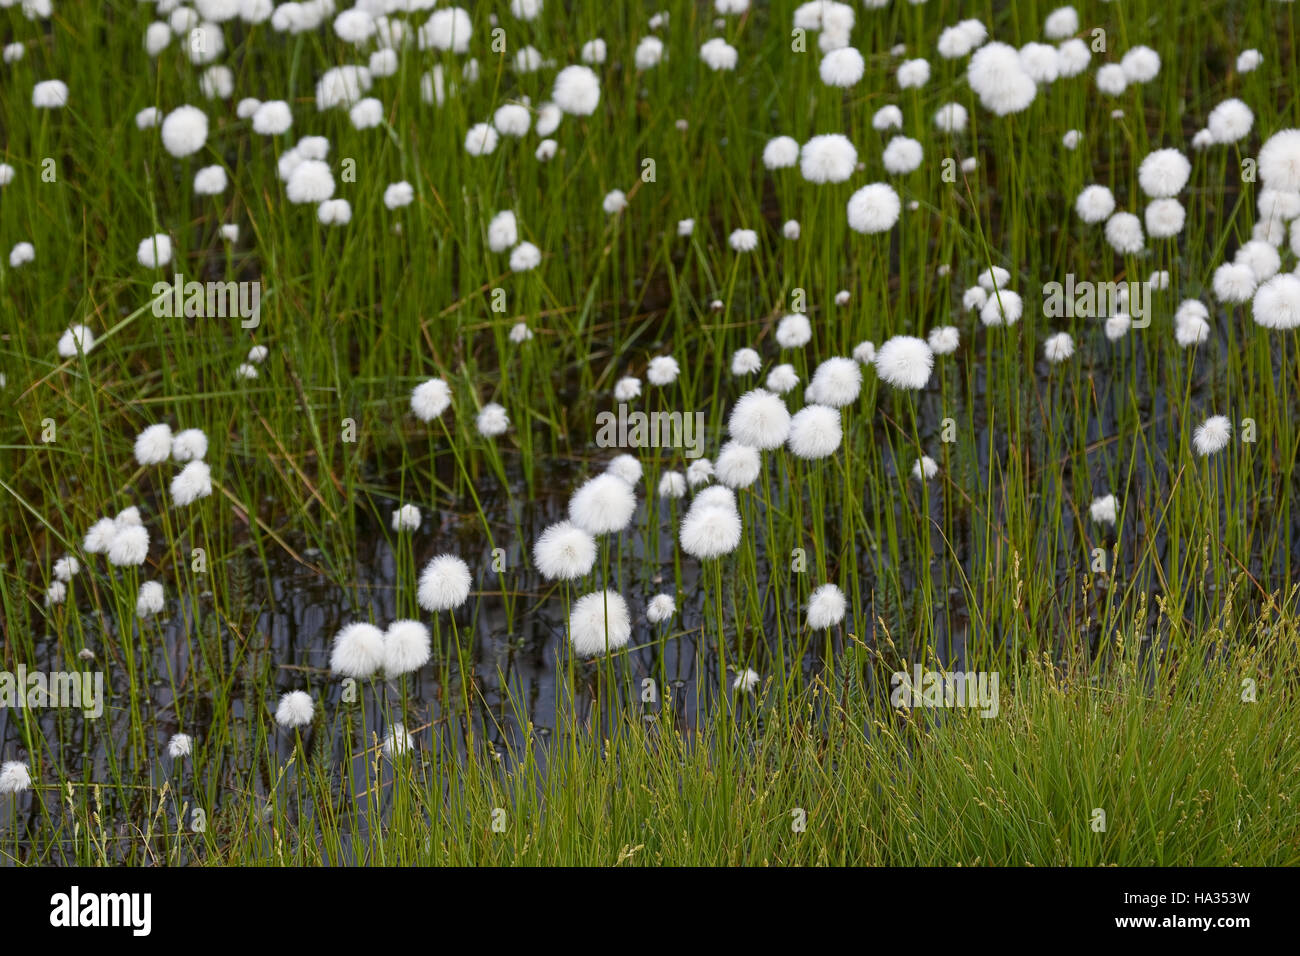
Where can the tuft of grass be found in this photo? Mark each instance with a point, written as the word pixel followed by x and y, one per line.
pixel 1151 763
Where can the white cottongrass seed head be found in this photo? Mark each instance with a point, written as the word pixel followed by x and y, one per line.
pixel 14 777
pixel 782 379
pixel 149 600
pixel 828 158
pixel 398 741
pixel 1163 173
pixel 759 419
pixel 625 466
pixel 924 468
pixel 699 472
pixel 944 340
pixel 1094 204
pixel 837 382
pixel 154 444
pixel 576 90
pixel 874 208
pixel 815 432
pixel 430 399
pixel 599 622
pixel 492 420
pixel 1212 435
pixel 444 583
pixel 745 361
pixel 662 370
pixel 672 484
pixel 743 240
pixel 129 546
pixel 184 131
pixel 1058 347
pixel 794 331
pixel 525 257
pixel 602 505
pixel 192 483
pixel 719 55
pixel 660 608
pixel 1277 302
pixel 905 361
pixel 406 518
pixel 737 465
pixel 710 530
pixel 781 152
pixel 627 388
pixel 826 607
pixel 295 710
pixel 1124 233
pixel 66 568
pixel 407 647
pixel 1103 510
pixel 358 650
pixel 155 251
pixel 1230 121
pixel 564 552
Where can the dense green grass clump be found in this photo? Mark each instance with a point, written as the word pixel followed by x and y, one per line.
pixel 1188 762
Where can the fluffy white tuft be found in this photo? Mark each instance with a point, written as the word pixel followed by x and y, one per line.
pixel 406 647
pixel 1212 435
pixel 710 530
pixel 358 650
pixel 295 709
pixel 759 419
pixel 599 623
pixel 602 505
pixel 826 607
pixel 815 432
pixel 154 444
pixel 564 552
pixel 193 482
pixel 905 361
pixel 444 583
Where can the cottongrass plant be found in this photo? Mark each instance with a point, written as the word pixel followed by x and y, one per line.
pixel 439 330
